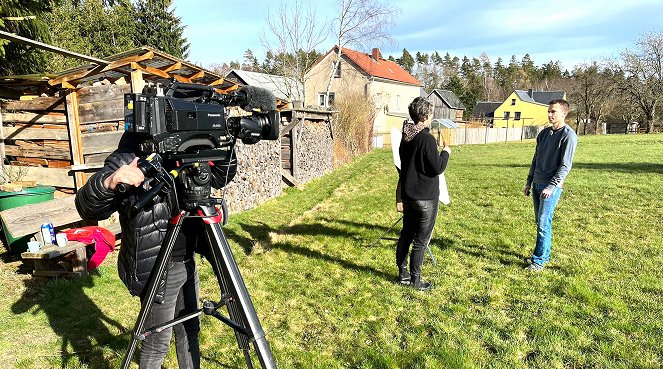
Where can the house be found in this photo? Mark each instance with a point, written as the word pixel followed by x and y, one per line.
pixel 284 88
pixel 446 105
pixel 525 108
pixel 484 111
pixel 386 83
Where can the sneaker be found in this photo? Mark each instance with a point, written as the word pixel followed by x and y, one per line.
pixel 403 276
pixel 534 267
pixel 420 285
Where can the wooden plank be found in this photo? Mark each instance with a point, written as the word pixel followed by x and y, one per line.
pixel 172 67
pixel 288 178
pixel 101 111
pixel 34 118
pixel 137 82
pixel 30 161
pixel 27 133
pixel 198 75
pixel 290 126
pixel 150 70
pixel 26 219
pixel 73 127
pixel 101 142
pixel 128 60
pixel 75 75
pixel 182 78
pixel 38 152
pixel 50 252
pixel 40 103
pixel 56 177
pixel 95 159
pixel 91 94
pixel 94 143
pixel 295 150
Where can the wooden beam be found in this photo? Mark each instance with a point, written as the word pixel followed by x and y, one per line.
pixel 76 144
pixel 172 67
pixel 198 75
pixel 34 118
pixel 182 79
pixel 40 103
pixel 217 82
pixel 64 80
pixel 43 46
pixel 291 125
pixel 137 82
pixel 128 60
pixel 288 178
pixel 149 70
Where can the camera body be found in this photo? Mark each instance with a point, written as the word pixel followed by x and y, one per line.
pixel 190 120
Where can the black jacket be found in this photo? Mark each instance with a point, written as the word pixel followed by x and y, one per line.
pixel 421 164
pixel 142 231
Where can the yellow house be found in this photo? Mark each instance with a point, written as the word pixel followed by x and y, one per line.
pixel 525 108
pixel 384 82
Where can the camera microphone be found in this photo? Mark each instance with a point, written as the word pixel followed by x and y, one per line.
pixel 256 99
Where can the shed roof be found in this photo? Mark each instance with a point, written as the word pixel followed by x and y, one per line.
pixel 485 108
pixel 282 87
pixel 443 123
pixel 449 98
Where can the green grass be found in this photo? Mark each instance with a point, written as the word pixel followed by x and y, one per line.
pixel 326 299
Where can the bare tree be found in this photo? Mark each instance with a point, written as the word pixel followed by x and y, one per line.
pixel 642 69
pixel 297 33
pixel 593 91
pixel 360 23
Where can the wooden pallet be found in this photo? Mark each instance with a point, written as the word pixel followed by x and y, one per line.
pixel 53 261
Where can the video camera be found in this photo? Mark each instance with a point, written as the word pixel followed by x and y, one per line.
pixel 189 121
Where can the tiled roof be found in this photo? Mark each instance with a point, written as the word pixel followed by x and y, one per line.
pixel 282 87
pixel 380 68
pixel 485 108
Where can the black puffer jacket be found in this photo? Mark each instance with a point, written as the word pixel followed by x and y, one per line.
pixel 142 231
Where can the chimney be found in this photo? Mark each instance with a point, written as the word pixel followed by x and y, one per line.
pixel 530 92
pixel 376 53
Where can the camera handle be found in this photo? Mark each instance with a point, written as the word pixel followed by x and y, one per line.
pixel 234 294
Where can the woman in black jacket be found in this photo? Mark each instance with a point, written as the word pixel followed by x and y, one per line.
pixel 421 165
pixel 143 232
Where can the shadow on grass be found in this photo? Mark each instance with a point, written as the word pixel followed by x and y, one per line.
pixel 499 253
pixel 261 231
pixel 603 167
pixel 74 317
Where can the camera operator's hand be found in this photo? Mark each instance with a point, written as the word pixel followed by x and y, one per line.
pixel 128 174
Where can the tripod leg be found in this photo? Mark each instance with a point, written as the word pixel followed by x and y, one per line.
pixel 430 253
pixel 240 307
pixel 161 264
pixel 387 231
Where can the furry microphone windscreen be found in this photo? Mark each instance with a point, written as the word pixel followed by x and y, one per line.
pixel 257 98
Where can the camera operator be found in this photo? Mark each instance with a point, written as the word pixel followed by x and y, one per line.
pixel 142 234
pixel 421 166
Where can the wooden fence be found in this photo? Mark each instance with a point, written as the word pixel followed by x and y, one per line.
pixel 478 135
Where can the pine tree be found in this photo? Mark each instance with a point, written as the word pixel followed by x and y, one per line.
pixel 160 28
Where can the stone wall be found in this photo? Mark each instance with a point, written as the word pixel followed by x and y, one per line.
pixel 315 151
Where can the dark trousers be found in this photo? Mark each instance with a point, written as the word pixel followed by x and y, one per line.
pixel 181 297
pixel 418 222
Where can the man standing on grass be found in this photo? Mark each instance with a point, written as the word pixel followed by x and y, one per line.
pixel 555 146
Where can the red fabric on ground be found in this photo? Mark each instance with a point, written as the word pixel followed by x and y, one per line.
pixel 104 242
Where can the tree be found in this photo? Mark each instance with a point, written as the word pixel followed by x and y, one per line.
pixel 109 29
pixel 291 50
pixel 642 68
pixel 158 27
pixel 406 61
pixel 26 19
pixel 360 23
pixel 593 91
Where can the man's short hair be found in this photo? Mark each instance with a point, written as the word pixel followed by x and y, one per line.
pixel 563 103
pixel 419 109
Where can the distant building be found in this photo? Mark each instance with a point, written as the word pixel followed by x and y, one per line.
pixel 284 88
pixel 525 108
pixel 485 111
pixel 386 83
pixel 446 105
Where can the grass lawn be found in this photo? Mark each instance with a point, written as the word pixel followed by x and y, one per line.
pixel 326 297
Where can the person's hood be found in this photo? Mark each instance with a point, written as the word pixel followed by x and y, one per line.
pixel 410 130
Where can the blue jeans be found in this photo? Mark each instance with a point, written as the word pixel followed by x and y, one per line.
pixel 544 210
pixel 181 298
pixel 418 222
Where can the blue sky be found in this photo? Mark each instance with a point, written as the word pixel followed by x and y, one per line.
pixel 569 31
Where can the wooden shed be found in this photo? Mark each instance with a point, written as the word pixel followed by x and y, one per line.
pixel 62 127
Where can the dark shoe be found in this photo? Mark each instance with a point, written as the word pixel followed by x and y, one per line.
pixel 419 284
pixel 403 276
pixel 534 267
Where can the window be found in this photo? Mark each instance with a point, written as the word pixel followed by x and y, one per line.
pixel 337 72
pixel 516 116
pixel 513 101
pixel 323 101
pixel 506 115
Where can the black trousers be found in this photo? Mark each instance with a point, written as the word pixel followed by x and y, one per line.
pixel 418 221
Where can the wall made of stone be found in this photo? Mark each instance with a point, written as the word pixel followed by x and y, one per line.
pixel 315 151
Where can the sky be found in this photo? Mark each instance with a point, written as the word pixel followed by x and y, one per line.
pixel 571 32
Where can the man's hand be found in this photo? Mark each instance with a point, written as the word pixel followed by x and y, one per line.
pixel 128 174
pixel 446 148
pixel 526 190
pixel 546 193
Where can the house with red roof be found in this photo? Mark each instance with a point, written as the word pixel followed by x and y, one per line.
pixel 384 82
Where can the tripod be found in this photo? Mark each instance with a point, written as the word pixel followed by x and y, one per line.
pixel 194 183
